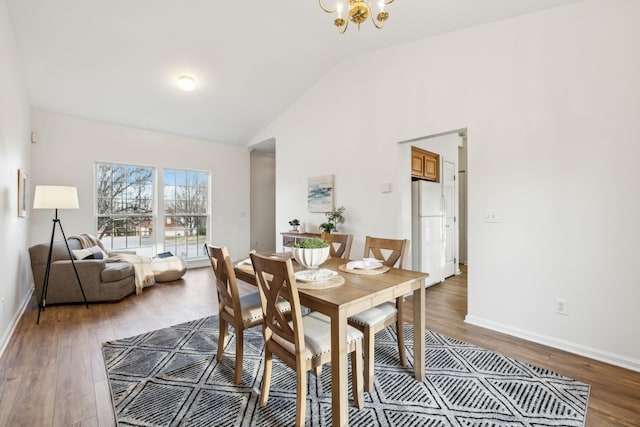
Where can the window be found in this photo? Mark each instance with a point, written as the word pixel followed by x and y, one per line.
pixel 125 210
pixel 186 212
pixel 124 197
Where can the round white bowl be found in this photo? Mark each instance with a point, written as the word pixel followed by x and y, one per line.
pixel 311 258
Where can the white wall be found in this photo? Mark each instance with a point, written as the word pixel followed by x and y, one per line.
pixel 14 155
pixel 551 102
pixel 69 147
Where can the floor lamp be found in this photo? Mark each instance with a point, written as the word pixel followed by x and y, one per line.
pixel 56 197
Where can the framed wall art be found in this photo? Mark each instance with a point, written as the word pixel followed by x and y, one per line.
pixel 320 194
pixel 23 193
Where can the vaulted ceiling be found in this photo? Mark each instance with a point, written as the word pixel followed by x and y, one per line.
pixel 117 61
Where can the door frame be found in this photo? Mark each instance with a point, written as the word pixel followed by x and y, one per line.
pixel 404 184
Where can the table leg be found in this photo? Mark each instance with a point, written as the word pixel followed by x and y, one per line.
pixel 419 329
pixel 339 385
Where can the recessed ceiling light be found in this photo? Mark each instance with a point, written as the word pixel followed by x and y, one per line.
pixel 186 83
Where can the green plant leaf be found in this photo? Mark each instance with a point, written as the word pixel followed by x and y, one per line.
pixel 311 243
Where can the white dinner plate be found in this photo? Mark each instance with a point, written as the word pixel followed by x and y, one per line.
pixel 365 264
pixel 315 275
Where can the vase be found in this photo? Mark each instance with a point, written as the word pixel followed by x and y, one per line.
pixel 311 259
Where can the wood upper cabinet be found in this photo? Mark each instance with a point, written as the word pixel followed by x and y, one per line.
pixel 425 164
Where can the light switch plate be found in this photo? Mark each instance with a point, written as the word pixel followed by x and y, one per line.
pixel 491 216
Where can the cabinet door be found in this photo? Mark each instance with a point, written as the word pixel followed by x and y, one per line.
pixel 417 164
pixel 430 167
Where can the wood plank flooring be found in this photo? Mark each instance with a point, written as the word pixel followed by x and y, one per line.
pixel 53 374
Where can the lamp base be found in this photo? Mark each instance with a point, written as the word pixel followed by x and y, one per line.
pixel 47 271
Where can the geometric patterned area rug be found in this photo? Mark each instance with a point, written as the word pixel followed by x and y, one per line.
pixel 169 377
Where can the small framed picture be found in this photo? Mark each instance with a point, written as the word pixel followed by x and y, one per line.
pixel 23 193
pixel 320 194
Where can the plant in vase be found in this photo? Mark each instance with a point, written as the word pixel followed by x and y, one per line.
pixel 311 253
pixel 334 218
pixel 295 224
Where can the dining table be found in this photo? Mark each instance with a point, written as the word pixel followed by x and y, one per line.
pixel 359 292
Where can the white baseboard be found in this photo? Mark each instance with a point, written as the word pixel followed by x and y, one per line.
pixel 197 263
pixel 592 353
pixel 14 322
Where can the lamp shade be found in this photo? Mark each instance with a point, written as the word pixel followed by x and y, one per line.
pixel 55 197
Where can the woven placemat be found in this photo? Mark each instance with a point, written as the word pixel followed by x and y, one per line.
pixel 378 270
pixel 336 280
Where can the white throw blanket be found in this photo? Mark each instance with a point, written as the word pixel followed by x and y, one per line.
pixel 142 266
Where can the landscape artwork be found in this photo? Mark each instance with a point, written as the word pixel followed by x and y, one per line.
pixel 320 194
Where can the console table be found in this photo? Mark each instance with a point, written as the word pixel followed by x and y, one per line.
pixel 290 238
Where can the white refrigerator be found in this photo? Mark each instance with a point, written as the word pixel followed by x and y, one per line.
pixel 427 230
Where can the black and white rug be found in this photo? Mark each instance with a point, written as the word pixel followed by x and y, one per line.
pixel 170 377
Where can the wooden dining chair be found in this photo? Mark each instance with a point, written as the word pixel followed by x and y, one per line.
pixel 339 244
pixel 392 253
pixel 241 312
pixel 304 342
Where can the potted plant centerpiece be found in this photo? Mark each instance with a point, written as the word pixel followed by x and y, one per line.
pixel 295 224
pixel 334 218
pixel 311 253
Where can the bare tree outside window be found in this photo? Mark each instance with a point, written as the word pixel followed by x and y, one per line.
pixel 125 200
pixel 186 213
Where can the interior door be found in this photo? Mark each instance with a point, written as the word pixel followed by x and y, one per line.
pixel 449 196
pixel 462 217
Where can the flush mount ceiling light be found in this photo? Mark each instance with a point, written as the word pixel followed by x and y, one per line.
pixel 186 83
pixel 358 11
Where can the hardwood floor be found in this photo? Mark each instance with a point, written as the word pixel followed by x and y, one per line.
pixel 52 374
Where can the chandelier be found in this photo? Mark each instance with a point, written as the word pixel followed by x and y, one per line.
pixel 359 11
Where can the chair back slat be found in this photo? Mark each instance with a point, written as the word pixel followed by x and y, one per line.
pixel 392 252
pixel 276 282
pixel 226 282
pixel 339 244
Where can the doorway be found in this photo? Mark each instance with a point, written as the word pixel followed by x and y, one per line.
pixel 451 146
pixel 263 196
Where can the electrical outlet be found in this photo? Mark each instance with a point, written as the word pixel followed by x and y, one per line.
pixel 562 306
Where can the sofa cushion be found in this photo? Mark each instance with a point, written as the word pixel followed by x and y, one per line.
pixel 115 271
pixel 94 252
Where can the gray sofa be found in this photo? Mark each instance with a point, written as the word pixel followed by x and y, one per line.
pixel 101 281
